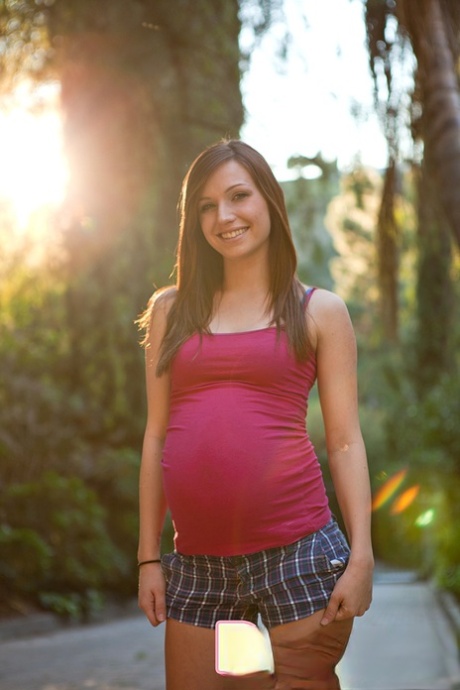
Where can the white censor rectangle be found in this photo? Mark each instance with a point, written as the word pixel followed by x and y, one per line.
pixel 242 648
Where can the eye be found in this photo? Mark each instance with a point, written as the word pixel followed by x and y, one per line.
pixel 206 207
pixel 239 196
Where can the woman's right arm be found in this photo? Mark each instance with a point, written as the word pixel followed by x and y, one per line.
pixel 152 502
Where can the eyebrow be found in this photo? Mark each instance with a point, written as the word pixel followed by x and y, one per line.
pixel 229 189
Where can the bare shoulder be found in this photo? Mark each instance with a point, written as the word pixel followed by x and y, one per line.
pixel 328 315
pixel 160 304
pixel 163 299
pixel 153 320
pixel 324 303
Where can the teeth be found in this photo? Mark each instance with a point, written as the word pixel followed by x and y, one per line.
pixel 233 233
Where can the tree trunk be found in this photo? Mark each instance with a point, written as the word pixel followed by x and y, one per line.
pixel 433 347
pixel 426 23
pixel 145 87
pixel 387 253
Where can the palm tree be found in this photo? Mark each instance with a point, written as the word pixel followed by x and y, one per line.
pixel 430 28
pixel 433 27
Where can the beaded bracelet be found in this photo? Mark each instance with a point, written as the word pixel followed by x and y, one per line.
pixel 155 560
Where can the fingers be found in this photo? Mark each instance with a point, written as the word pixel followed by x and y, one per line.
pixel 362 609
pixel 340 608
pixel 154 607
pixel 331 612
pixel 152 596
pixel 351 597
pixel 160 609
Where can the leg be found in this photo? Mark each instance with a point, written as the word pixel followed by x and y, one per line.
pixel 307 653
pixel 189 655
pixel 190 662
pixel 255 681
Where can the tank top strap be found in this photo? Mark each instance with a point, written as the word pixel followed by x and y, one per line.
pixel 306 297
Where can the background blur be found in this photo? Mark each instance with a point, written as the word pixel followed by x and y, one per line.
pixel 103 106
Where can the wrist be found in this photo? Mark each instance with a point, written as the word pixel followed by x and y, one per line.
pixel 363 561
pixel 149 561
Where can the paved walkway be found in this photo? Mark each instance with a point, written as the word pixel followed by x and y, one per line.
pixel 403 643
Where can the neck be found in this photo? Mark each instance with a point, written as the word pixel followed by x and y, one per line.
pixel 246 276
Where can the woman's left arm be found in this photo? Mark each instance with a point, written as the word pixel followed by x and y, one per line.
pixel 337 386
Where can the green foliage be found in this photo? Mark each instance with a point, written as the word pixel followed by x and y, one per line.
pixel 446 565
pixel 24 43
pixel 73 606
pixel 143 89
pixel 113 475
pixel 307 201
pixel 32 349
pixel 54 536
pixel 426 431
pixel 398 540
pixel 422 431
pixel 351 220
pixel 26 557
pixel 422 436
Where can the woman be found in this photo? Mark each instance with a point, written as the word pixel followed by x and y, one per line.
pixel 231 354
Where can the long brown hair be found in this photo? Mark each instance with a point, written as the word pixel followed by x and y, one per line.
pixel 200 268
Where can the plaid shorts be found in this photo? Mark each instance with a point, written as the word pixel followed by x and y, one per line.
pixel 281 584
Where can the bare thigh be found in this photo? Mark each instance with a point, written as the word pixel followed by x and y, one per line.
pixel 306 653
pixel 190 662
pixel 189 657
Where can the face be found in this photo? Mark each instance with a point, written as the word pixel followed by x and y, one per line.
pixel 234 215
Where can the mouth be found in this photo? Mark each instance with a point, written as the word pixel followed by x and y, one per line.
pixel 231 234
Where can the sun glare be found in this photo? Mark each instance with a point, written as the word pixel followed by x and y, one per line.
pixel 388 489
pixel 33 171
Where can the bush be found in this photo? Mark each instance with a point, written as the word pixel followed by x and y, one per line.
pixel 26 558
pixel 423 435
pixel 56 543
pixel 114 476
pixel 447 537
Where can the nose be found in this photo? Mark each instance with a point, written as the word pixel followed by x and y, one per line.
pixel 225 213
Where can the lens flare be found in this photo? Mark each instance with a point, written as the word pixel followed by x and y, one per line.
pixel 402 502
pixel 388 489
pixel 426 518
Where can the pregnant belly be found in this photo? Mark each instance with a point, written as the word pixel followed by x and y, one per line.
pixel 224 482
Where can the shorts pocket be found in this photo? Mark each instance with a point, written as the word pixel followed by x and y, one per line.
pixel 330 550
pixel 171 564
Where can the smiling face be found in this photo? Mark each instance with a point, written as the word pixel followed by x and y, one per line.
pixel 234 216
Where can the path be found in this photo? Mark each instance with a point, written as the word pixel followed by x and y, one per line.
pixel 403 643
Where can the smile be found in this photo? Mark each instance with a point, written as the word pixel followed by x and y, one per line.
pixel 233 233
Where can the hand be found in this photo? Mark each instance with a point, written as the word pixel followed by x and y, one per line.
pixel 152 593
pixel 352 594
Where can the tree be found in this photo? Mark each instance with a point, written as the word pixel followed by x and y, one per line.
pixel 421 425
pixel 387 239
pixel 388 254
pixel 145 85
pixel 431 29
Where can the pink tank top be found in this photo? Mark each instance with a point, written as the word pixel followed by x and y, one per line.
pixel 240 472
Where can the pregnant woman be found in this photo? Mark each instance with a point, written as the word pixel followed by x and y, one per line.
pixel 232 351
